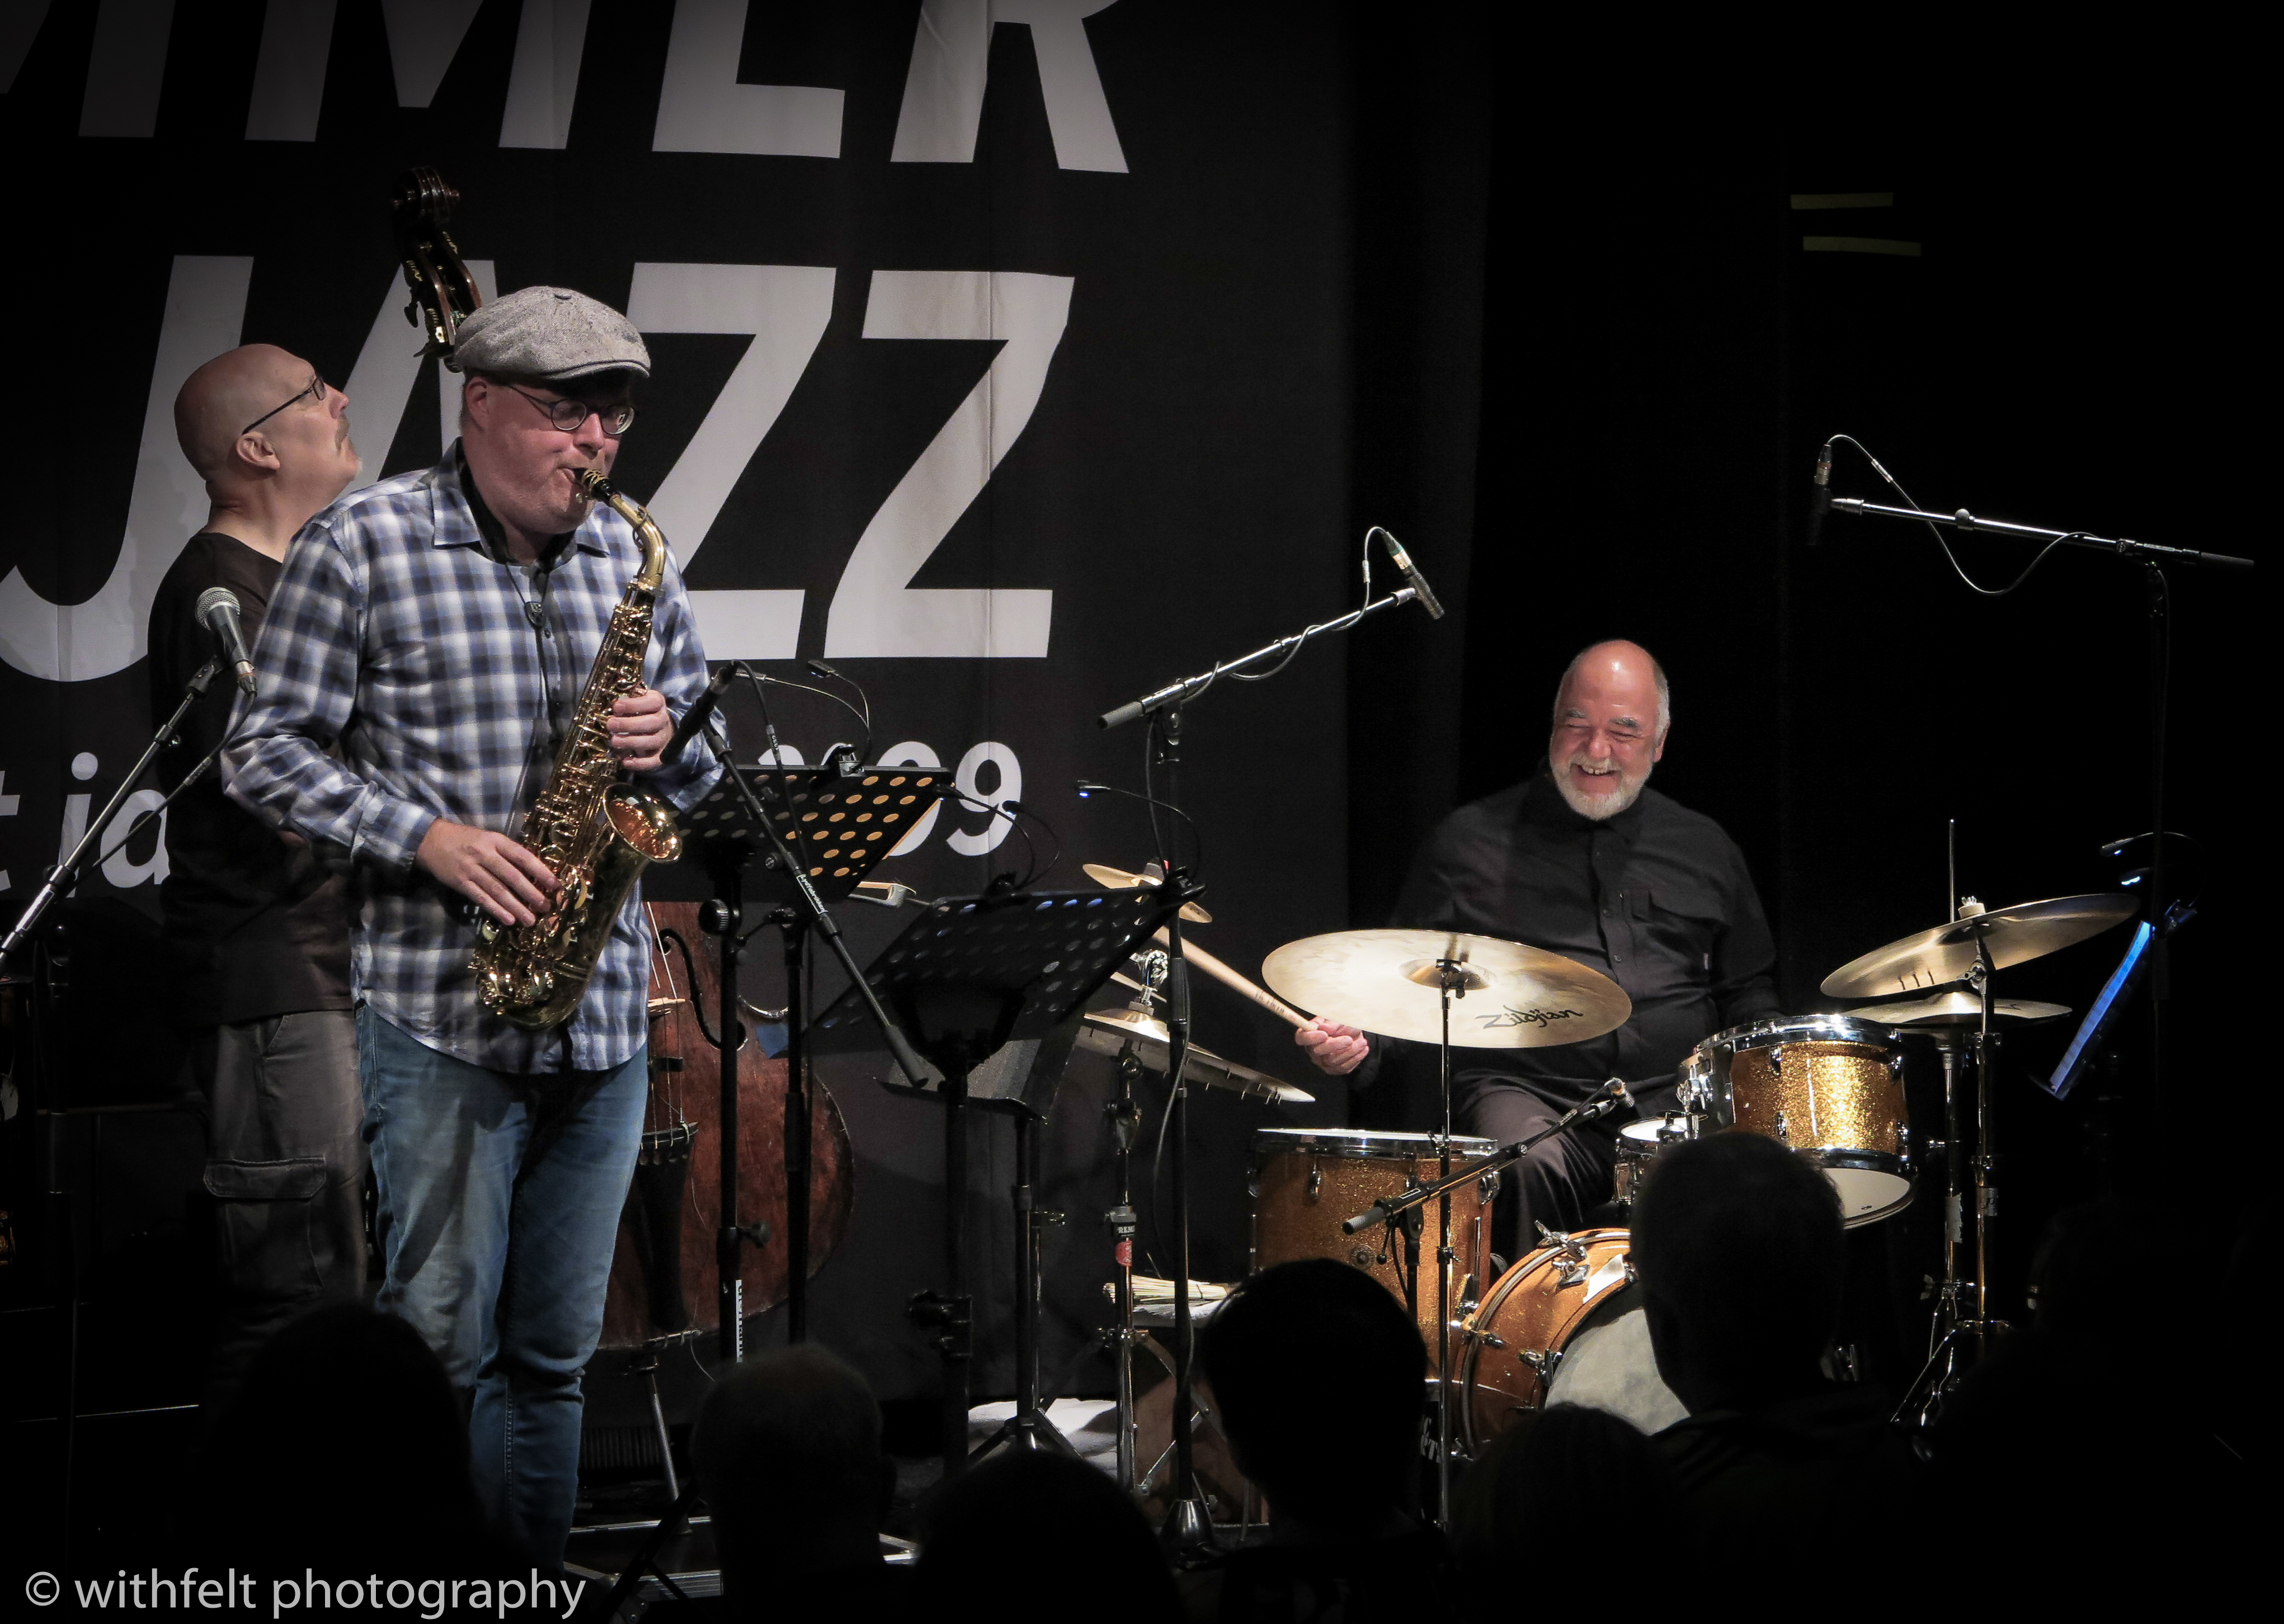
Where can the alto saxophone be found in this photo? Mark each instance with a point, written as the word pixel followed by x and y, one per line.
pixel 594 831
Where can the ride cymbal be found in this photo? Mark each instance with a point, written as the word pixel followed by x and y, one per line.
pixel 1386 982
pixel 2011 935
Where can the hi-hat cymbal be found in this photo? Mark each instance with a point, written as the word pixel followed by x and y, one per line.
pixel 1105 1032
pixel 2012 936
pixel 1386 982
pixel 1119 879
pixel 1957 1007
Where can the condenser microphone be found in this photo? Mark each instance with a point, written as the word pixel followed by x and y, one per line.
pixel 1418 581
pixel 217 611
pixel 696 716
pixel 1821 503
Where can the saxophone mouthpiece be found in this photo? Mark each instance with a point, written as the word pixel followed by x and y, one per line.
pixel 593 485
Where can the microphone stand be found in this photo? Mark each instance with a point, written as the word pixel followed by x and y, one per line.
pixel 58 883
pixel 1187 1532
pixel 1388 1207
pixel 2153 558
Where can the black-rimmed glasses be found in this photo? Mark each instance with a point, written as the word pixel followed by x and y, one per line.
pixel 315 389
pixel 567 415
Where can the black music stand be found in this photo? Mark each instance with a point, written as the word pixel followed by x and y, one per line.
pixel 836 826
pixel 966 976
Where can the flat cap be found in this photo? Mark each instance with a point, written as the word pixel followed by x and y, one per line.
pixel 550 332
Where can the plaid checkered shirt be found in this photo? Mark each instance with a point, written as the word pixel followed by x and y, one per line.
pixel 403 680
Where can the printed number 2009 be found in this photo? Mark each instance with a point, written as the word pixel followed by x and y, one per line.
pixel 1006 785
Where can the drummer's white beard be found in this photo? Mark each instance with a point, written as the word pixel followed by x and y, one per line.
pixel 1627 788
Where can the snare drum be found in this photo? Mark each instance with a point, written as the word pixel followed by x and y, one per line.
pixel 1563 1326
pixel 1829 1087
pixel 1306 1179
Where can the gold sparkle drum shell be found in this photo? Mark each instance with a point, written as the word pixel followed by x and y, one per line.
pixel 1830 1087
pixel 1563 1326
pixel 1306 1179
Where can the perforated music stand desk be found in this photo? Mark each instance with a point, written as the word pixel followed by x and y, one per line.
pixel 970 974
pixel 840 826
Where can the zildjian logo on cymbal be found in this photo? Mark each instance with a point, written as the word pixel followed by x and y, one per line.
pixel 1512 1017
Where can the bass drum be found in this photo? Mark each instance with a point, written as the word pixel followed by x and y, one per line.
pixel 1563 1326
pixel 662 1289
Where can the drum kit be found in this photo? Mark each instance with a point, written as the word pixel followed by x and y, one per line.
pixel 1563 1323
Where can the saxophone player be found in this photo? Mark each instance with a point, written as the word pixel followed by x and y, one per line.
pixel 423 659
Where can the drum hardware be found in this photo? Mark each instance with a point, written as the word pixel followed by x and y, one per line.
pixel 1608 1099
pixel 1970 950
pixel 1392 982
pixel 1186 1530
pixel 971 975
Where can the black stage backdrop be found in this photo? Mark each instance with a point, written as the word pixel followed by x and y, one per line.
pixel 1088 346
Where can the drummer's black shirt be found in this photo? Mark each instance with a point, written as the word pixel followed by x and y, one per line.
pixel 1656 898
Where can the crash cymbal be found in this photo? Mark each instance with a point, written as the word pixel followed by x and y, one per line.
pixel 1956 1007
pixel 1119 879
pixel 1105 1032
pixel 2014 936
pixel 1385 981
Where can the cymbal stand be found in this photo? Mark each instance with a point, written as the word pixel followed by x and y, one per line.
pixel 1125 1119
pixel 1187 1532
pixel 1451 982
pixel 1922 1401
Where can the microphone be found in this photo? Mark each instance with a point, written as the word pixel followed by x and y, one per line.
pixel 1822 502
pixel 217 611
pixel 696 716
pixel 1418 583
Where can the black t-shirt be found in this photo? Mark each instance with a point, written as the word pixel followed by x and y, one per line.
pixel 254 925
pixel 1656 898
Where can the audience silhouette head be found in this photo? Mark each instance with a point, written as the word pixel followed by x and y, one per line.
pixel 1737 1242
pixel 336 1375
pixel 1302 1342
pixel 1030 1535
pixel 788 1452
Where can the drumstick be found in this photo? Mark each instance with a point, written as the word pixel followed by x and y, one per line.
pixel 1223 973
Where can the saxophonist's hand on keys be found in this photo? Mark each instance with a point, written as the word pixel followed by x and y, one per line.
pixel 641 730
pixel 500 875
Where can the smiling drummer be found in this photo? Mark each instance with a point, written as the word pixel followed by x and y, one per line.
pixel 1584 860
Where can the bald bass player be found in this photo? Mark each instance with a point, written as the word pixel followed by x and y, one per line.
pixel 1583 859
pixel 255 928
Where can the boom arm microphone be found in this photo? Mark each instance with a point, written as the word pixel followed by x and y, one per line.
pixel 697 715
pixel 1418 581
pixel 1821 504
pixel 218 612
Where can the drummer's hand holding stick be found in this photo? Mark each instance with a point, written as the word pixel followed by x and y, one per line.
pixel 1332 1048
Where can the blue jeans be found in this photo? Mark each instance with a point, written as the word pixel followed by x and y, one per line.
pixel 500 1209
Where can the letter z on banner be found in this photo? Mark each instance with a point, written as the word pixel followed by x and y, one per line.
pixel 875 611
